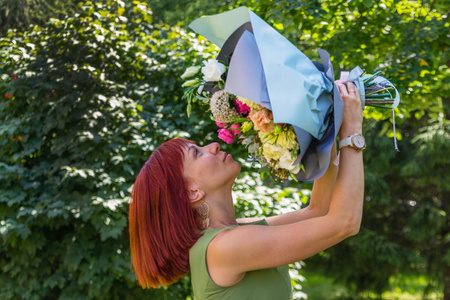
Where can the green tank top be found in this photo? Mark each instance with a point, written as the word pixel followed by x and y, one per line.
pixel 265 284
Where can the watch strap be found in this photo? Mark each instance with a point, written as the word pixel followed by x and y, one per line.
pixel 353 141
pixel 345 142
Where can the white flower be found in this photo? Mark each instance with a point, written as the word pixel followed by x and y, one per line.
pixel 212 70
pixel 220 107
pixel 286 161
pixel 191 71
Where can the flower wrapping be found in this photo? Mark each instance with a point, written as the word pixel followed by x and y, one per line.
pixel 265 68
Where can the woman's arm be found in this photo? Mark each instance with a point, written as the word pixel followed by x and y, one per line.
pixel 238 250
pixel 323 187
pixel 321 195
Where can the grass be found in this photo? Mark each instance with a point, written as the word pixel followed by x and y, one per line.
pixel 320 287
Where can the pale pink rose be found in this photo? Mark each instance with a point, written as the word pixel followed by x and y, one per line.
pixel 221 125
pixel 235 127
pixel 241 108
pixel 262 120
pixel 226 135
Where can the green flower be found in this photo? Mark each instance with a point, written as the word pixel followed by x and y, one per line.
pixel 189 82
pixel 246 126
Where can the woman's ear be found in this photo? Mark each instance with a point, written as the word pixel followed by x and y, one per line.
pixel 195 195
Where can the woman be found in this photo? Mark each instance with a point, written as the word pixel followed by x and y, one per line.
pixel 182 215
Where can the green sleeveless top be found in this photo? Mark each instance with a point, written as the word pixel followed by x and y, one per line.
pixel 265 284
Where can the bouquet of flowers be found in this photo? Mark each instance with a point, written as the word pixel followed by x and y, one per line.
pixel 266 94
pixel 238 119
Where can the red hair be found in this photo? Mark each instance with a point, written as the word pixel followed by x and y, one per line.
pixel 162 222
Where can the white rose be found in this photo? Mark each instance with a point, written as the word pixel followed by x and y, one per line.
pixel 212 70
pixel 286 162
pixel 191 71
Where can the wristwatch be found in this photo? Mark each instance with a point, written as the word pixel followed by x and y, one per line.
pixel 355 141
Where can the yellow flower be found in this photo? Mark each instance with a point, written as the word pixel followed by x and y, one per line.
pixel 287 139
pixel 272 151
pixel 250 104
pixel 266 137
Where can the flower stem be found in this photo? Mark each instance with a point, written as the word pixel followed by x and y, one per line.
pixel 377 91
pixel 371 77
pixel 378 95
pixel 379 103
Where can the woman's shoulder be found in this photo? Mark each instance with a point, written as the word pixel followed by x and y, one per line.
pixel 216 234
pixel 252 221
pixel 208 235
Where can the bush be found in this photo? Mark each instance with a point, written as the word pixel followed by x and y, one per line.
pixel 83 103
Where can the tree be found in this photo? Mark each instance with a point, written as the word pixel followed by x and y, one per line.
pixel 84 102
pixel 405 227
pixel 20 14
pixel 65 178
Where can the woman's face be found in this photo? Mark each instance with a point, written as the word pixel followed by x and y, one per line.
pixel 208 168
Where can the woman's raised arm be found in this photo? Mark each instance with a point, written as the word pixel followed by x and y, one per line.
pixel 238 250
pixel 321 195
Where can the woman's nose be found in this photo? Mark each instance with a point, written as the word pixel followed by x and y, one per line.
pixel 214 148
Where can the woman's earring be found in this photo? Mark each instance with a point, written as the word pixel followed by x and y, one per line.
pixel 204 213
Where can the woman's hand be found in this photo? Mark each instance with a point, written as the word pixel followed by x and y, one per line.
pixel 353 117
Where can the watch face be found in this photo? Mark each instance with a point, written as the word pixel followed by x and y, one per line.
pixel 358 141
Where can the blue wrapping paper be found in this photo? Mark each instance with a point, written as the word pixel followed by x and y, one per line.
pixel 267 69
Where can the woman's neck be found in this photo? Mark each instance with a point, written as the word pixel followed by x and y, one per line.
pixel 221 210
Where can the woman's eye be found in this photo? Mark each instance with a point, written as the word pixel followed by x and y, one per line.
pixel 196 152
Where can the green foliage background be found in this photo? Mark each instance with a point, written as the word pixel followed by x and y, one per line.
pixel 94 93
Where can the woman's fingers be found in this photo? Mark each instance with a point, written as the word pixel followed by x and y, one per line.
pixel 342 90
pixel 351 88
pixel 348 89
pixel 352 121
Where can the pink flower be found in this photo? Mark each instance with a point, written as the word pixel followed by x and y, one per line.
pixel 221 125
pixel 226 135
pixel 235 126
pixel 262 120
pixel 14 76
pixel 241 108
